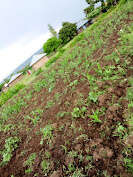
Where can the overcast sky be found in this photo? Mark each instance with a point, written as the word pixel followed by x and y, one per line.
pixel 23 27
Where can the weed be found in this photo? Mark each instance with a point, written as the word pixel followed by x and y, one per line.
pixel 120 131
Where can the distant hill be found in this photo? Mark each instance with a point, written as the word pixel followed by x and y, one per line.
pixel 25 63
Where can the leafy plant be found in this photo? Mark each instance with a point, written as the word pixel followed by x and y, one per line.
pixel 77 112
pixel 11 144
pixel 95 117
pixel 129 164
pixel 47 133
pixel 119 131
pixel 45 166
pixel 30 162
pixel 93 96
pixel 77 173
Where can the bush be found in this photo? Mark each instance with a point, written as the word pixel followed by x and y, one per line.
pixel 51 45
pixel 5 96
pixel 67 32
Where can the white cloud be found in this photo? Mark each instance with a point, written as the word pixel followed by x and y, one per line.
pixel 14 55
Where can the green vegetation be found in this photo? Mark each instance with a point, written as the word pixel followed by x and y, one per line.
pixel 51 45
pixel 11 144
pixel 75 115
pixel 5 96
pixel 47 133
pixel 67 32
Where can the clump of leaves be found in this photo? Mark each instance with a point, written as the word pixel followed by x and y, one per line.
pixel 95 116
pixel 30 162
pixel 11 144
pixel 47 133
pixel 93 96
pixel 119 131
pixel 129 164
pixel 45 166
pixel 77 173
pixel 77 112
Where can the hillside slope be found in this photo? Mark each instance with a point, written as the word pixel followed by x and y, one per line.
pixel 76 118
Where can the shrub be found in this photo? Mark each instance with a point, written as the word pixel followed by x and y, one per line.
pixel 51 45
pixel 67 32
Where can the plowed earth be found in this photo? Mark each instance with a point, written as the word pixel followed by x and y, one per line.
pixel 79 145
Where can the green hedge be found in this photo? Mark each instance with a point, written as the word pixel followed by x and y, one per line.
pixel 5 96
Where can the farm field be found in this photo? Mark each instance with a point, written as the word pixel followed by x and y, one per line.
pixel 75 118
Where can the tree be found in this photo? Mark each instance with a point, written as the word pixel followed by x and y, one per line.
pixel 52 30
pixel 67 32
pixel 51 45
pixel 92 6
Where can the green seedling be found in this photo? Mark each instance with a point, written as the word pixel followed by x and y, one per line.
pixel 93 96
pixel 129 164
pixel 45 166
pixel 30 162
pixel 47 133
pixel 95 117
pixel 78 113
pixel 10 145
pixel 64 148
pixel 77 173
pixel 120 131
